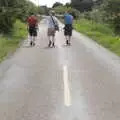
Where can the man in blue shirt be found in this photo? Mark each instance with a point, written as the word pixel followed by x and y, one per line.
pixel 68 20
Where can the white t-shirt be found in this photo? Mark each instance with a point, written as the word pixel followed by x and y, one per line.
pixel 50 21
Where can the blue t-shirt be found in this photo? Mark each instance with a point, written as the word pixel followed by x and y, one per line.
pixel 68 19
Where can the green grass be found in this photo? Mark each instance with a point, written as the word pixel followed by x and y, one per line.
pixel 101 33
pixel 9 43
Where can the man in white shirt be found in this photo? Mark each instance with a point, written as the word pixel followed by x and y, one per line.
pixel 52 27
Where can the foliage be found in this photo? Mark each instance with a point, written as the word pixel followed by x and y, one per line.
pixel 57 4
pixel 68 5
pixel 10 10
pixel 43 10
pixel 108 12
pixel 97 15
pixel 7 15
pixel 9 43
pixel 101 33
pixel 82 5
pixel 113 10
pixel 27 8
pixel 61 10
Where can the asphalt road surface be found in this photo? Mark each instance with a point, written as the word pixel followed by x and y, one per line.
pixel 80 82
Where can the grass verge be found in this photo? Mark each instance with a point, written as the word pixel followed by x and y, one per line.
pixel 9 43
pixel 101 33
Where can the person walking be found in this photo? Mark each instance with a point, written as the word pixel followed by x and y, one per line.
pixel 52 28
pixel 32 28
pixel 68 21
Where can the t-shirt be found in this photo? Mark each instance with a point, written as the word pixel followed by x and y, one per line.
pixel 68 19
pixel 50 22
pixel 32 21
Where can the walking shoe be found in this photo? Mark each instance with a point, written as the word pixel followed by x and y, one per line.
pixel 53 45
pixel 67 42
pixel 49 43
pixel 31 43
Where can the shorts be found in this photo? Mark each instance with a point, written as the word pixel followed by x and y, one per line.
pixel 68 30
pixel 33 31
pixel 51 31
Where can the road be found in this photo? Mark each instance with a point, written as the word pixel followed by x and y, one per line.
pixel 80 82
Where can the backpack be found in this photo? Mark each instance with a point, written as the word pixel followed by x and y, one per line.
pixel 32 21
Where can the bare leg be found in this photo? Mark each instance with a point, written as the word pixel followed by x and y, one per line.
pixel 66 39
pixel 31 39
pixel 69 40
pixel 49 41
pixel 34 38
pixel 53 41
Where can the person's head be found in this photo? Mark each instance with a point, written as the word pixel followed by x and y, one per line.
pixel 52 13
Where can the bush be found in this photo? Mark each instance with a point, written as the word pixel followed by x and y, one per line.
pixel 6 22
pixel 9 43
pixel 101 33
pixel 113 10
pixel 10 10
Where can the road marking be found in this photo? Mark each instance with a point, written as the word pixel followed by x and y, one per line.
pixel 67 96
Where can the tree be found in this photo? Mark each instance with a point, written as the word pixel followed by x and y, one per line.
pixel 82 5
pixel 57 4
pixel 113 10
pixel 10 10
pixel 61 10
pixel 7 15
pixel 68 5
pixel 43 10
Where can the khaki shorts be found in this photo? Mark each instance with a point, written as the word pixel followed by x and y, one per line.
pixel 51 32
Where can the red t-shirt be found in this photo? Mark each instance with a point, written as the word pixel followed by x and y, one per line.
pixel 32 21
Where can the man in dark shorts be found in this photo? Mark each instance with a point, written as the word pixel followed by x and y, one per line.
pixel 32 28
pixel 68 19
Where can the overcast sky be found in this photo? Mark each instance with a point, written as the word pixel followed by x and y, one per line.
pixel 49 3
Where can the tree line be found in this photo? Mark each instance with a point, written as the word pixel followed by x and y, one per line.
pixel 10 10
pixel 102 11
pixel 106 11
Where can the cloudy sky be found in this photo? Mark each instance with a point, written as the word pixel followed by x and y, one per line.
pixel 49 3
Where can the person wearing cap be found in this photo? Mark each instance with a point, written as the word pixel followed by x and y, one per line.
pixel 52 28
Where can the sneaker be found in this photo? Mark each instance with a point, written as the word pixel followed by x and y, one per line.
pixel 67 42
pixel 31 43
pixel 49 43
pixel 53 45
